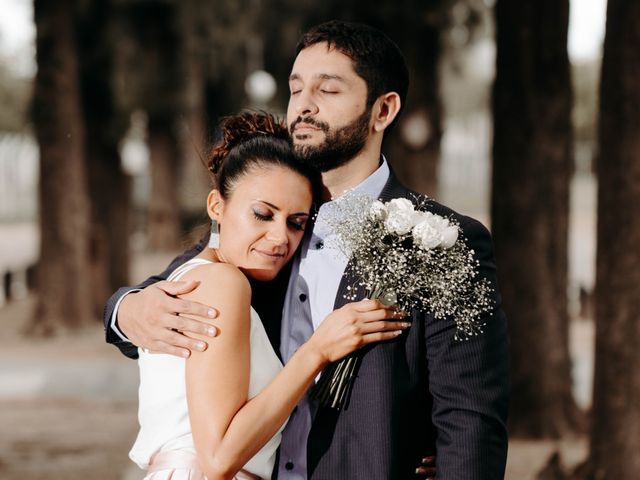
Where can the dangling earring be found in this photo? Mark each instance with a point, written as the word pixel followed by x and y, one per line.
pixel 214 238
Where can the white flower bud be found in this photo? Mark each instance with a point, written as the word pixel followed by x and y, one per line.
pixel 449 237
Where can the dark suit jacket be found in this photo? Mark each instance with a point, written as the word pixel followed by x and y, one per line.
pixel 422 393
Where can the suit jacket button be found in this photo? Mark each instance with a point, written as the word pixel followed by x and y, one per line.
pixel 288 465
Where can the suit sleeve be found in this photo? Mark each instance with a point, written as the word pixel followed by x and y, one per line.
pixel 127 348
pixel 469 382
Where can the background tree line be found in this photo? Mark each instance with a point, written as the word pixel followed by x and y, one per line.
pixel 184 63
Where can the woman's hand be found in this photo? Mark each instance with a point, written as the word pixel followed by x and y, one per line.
pixel 353 326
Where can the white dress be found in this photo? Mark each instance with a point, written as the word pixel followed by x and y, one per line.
pixel 164 445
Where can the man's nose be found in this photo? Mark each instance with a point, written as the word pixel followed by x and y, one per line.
pixel 304 104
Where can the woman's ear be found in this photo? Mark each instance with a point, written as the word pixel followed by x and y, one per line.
pixel 215 205
pixel 385 110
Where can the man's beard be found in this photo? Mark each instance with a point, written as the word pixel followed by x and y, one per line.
pixel 339 145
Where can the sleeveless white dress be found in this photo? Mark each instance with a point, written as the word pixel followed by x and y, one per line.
pixel 164 445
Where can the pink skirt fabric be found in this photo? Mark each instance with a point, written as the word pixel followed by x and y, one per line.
pixel 182 465
pixel 174 465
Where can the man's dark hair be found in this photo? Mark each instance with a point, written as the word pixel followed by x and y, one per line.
pixel 376 58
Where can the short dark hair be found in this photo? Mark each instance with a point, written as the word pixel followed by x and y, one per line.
pixel 376 58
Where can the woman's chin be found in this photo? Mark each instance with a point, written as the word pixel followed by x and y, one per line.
pixel 261 274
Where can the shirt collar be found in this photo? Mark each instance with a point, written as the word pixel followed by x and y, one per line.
pixel 371 186
pixel 374 183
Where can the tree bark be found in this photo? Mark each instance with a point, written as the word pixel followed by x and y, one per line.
pixel 615 434
pixel 109 186
pixel 164 218
pixel 63 278
pixel 417 164
pixel 532 165
pixel 195 183
pixel 151 65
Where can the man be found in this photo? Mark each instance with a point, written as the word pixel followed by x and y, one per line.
pixel 348 84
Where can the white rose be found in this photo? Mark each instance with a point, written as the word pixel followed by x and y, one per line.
pixel 378 210
pixel 437 222
pixel 449 237
pixel 400 216
pixel 426 236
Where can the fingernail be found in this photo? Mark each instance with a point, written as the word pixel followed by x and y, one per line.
pixel 185 354
pixel 397 332
pixel 200 346
pixel 211 313
pixel 418 471
pixel 211 331
pixel 405 324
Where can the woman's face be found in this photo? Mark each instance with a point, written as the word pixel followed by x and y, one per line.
pixel 262 220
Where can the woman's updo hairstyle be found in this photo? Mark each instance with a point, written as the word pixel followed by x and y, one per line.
pixel 254 139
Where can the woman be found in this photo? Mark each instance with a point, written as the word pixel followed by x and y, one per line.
pixel 219 413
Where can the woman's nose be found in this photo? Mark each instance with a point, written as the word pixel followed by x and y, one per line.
pixel 277 233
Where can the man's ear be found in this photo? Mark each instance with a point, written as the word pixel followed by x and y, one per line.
pixel 385 110
pixel 215 205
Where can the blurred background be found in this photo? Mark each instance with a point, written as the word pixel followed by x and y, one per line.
pixel 520 114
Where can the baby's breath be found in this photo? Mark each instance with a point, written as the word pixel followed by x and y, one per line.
pixel 387 264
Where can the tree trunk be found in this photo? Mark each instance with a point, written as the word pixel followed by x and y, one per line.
pixel 414 144
pixel 532 155
pixel 615 434
pixel 63 273
pixel 195 184
pixel 109 186
pixel 164 218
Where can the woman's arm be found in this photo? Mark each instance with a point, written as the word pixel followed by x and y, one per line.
pixel 227 429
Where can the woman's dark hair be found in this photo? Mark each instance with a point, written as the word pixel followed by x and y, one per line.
pixel 255 139
pixel 376 58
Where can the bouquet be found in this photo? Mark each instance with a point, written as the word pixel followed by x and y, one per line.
pixel 402 254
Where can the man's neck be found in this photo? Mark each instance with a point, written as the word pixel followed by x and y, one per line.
pixel 348 176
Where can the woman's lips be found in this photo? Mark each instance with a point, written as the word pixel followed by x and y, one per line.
pixel 269 255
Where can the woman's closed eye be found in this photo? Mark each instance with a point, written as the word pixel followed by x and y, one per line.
pixel 298 222
pixel 262 216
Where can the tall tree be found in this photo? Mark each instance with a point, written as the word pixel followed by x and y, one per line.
pixel 151 67
pixel 532 165
pixel 615 434
pixel 417 160
pixel 109 186
pixel 63 278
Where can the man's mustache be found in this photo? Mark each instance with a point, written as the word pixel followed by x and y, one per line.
pixel 309 121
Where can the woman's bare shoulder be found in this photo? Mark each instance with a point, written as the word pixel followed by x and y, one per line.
pixel 220 281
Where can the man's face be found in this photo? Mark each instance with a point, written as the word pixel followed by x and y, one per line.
pixel 328 117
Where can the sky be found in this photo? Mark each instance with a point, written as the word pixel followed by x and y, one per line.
pixel 17 33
